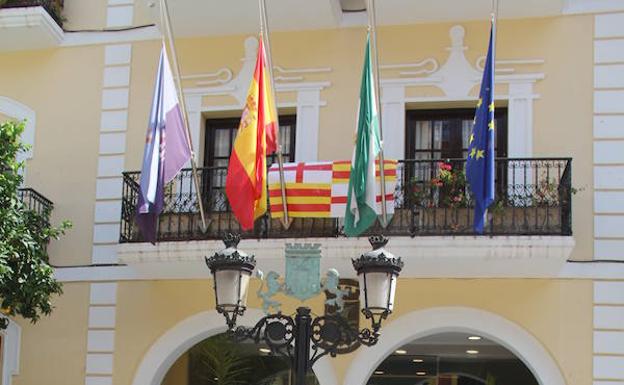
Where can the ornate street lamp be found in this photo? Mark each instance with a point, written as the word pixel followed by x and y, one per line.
pixel 231 269
pixel 294 337
pixel 377 271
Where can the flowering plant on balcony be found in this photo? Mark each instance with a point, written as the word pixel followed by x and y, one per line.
pixel 447 189
pixel 451 183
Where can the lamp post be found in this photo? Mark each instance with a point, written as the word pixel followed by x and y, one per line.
pixel 302 338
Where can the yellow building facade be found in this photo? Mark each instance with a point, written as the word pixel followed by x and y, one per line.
pixel 547 283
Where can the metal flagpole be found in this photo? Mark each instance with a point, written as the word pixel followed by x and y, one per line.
pixel 493 19
pixel 164 16
pixel 264 35
pixel 373 41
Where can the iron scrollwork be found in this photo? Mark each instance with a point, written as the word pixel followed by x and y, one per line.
pixel 274 330
pixel 328 335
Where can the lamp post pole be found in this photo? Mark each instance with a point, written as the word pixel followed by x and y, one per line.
pixel 305 339
pixel 303 322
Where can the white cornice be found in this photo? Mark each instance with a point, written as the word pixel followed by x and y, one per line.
pixel 27 28
pixel 425 257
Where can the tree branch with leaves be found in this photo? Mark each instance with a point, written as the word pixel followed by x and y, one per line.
pixel 27 281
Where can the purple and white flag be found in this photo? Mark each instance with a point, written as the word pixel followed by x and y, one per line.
pixel 166 150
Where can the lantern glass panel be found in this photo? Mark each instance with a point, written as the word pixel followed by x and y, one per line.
pixel 376 288
pixel 228 283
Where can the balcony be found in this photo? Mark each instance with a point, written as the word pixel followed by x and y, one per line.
pixel 53 7
pixel 30 24
pixel 36 203
pixel 431 199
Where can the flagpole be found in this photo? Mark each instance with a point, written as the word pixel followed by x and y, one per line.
pixel 264 35
pixel 493 19
pixel 373 41
pixel 166 21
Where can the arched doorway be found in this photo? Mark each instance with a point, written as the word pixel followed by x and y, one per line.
pixel 422 323
pixel 452 358
pixel 173 344
pixel 219 360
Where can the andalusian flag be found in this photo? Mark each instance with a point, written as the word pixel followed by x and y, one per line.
pixel 362 192
pixel 245 185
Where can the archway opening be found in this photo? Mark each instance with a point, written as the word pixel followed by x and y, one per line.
pixel 218 360
pixel 452 358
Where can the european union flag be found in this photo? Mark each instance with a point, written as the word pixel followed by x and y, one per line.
pixel 480 161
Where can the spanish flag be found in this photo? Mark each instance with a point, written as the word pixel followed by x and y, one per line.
pixel 245 185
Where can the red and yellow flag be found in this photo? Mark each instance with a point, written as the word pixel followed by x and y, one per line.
pixel 245 185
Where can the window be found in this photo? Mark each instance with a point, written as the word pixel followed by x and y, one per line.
pixel 220 135
pixel 444 134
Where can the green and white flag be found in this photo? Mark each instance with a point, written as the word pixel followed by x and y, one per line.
pixel 362 193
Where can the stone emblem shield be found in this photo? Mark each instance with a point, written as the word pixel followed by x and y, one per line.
pixel 303 270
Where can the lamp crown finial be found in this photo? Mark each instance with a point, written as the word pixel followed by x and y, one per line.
pixel 231 240
pixel 378 241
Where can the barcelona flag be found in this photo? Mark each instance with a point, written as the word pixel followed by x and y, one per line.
pixel 245 185
pixel 480 162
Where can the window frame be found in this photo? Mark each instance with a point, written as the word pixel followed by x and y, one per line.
pixel 232 124
pixel 454 115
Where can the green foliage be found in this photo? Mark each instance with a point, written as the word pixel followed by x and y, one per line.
pixel 27 281
pixel 220 361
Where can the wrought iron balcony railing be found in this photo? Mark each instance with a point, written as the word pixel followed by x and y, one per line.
pixel 36 203
pixel 53 7
pixel 533 197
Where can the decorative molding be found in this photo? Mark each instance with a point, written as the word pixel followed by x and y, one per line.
pixel 277 70
pixel 481 63
pixel 112 147
pixel 457 79
pixel 14 109
pixel 163 353
pixel 308 97
pixel 449 257
pixel 417 324
pixel 421 64
pixel 608 145
pixel 11 347
pixel 119 16
pixel 101 333
pixel 608 344
pixel 197 270
pixel 216 77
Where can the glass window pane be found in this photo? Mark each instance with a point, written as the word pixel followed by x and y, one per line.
pixel 284 138
pixel 439 127
pixel 423 135
pixel 466 130
pixel 221 144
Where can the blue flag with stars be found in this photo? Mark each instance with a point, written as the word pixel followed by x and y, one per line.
pixel 480 162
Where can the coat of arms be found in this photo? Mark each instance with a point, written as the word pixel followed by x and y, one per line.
pixel 303 278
